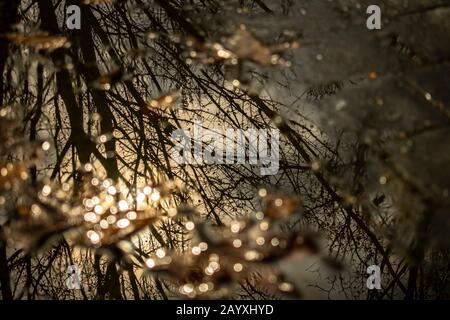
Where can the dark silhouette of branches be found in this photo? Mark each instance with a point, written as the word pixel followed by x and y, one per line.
pixel 358 113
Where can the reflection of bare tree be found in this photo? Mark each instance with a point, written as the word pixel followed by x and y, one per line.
pixel 356 172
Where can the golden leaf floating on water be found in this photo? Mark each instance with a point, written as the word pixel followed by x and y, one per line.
pixel 111 212
pixel 12 172
pixel 106 81
pixel 242 251
pixel 280 206
pixel 39 40
pixel 245 46
pixel 166 101
pixel 110 228
pixel 242 45
pixel 218 267
pixel 36 234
